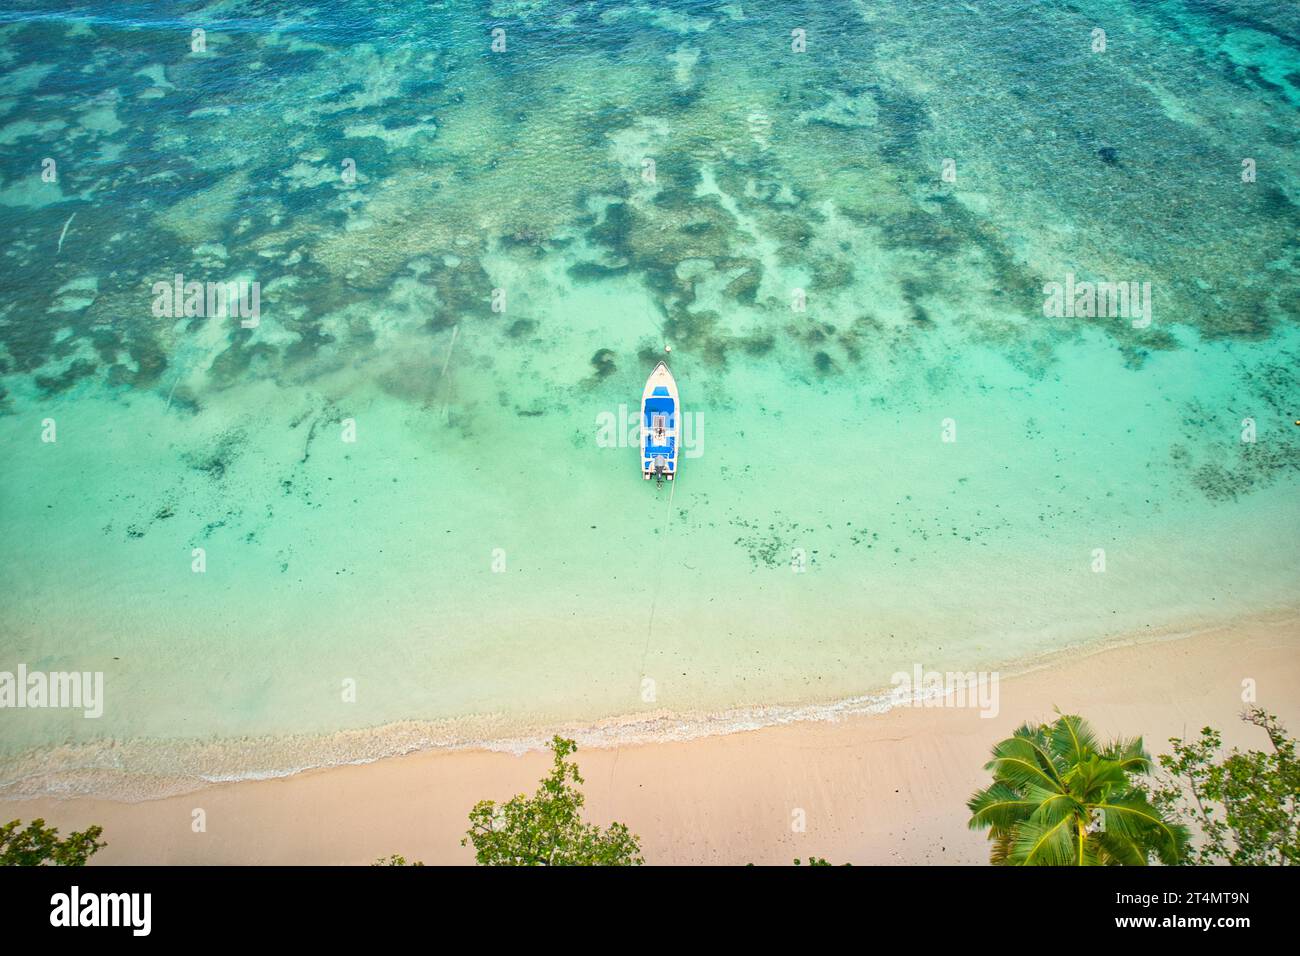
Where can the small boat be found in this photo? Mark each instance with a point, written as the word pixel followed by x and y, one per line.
pixel 660 425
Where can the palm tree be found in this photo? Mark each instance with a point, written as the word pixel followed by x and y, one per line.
pixel 1058 799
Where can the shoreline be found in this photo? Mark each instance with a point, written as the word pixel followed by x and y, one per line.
pixel 885 787
pixel 92 771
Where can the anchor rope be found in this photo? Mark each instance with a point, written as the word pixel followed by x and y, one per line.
pixel 659 572
pixel 654 602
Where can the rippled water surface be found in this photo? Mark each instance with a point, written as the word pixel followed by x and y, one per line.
pixel 469 259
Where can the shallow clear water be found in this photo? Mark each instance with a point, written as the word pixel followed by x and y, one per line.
pixel 481 561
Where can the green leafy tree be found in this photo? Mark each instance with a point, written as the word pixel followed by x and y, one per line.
pixel 547 828
pixel 1058 798
pixel 395 860
pixel 39 845
pixel 818 861
pixel 1245 805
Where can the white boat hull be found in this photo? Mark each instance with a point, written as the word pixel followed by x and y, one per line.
pixel 660 425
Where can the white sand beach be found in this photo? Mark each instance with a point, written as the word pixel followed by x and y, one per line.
pixel 887 788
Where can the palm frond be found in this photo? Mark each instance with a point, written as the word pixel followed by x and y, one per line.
pixel 1050 806
pixel 1117 850
pixel 1072 739
pixel 1022 762
pixel 1129 816
pixel 1000 854
pixel 998 806
pixel 1129 754
pixel 1037 844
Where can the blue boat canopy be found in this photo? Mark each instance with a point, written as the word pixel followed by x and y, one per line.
pixel 659 406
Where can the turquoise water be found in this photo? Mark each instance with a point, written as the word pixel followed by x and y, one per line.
pixel 499 277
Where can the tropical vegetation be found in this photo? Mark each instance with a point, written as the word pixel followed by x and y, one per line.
pixel 1059 797
pixel 39 845
pixel 1245 805
pixel 547 829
